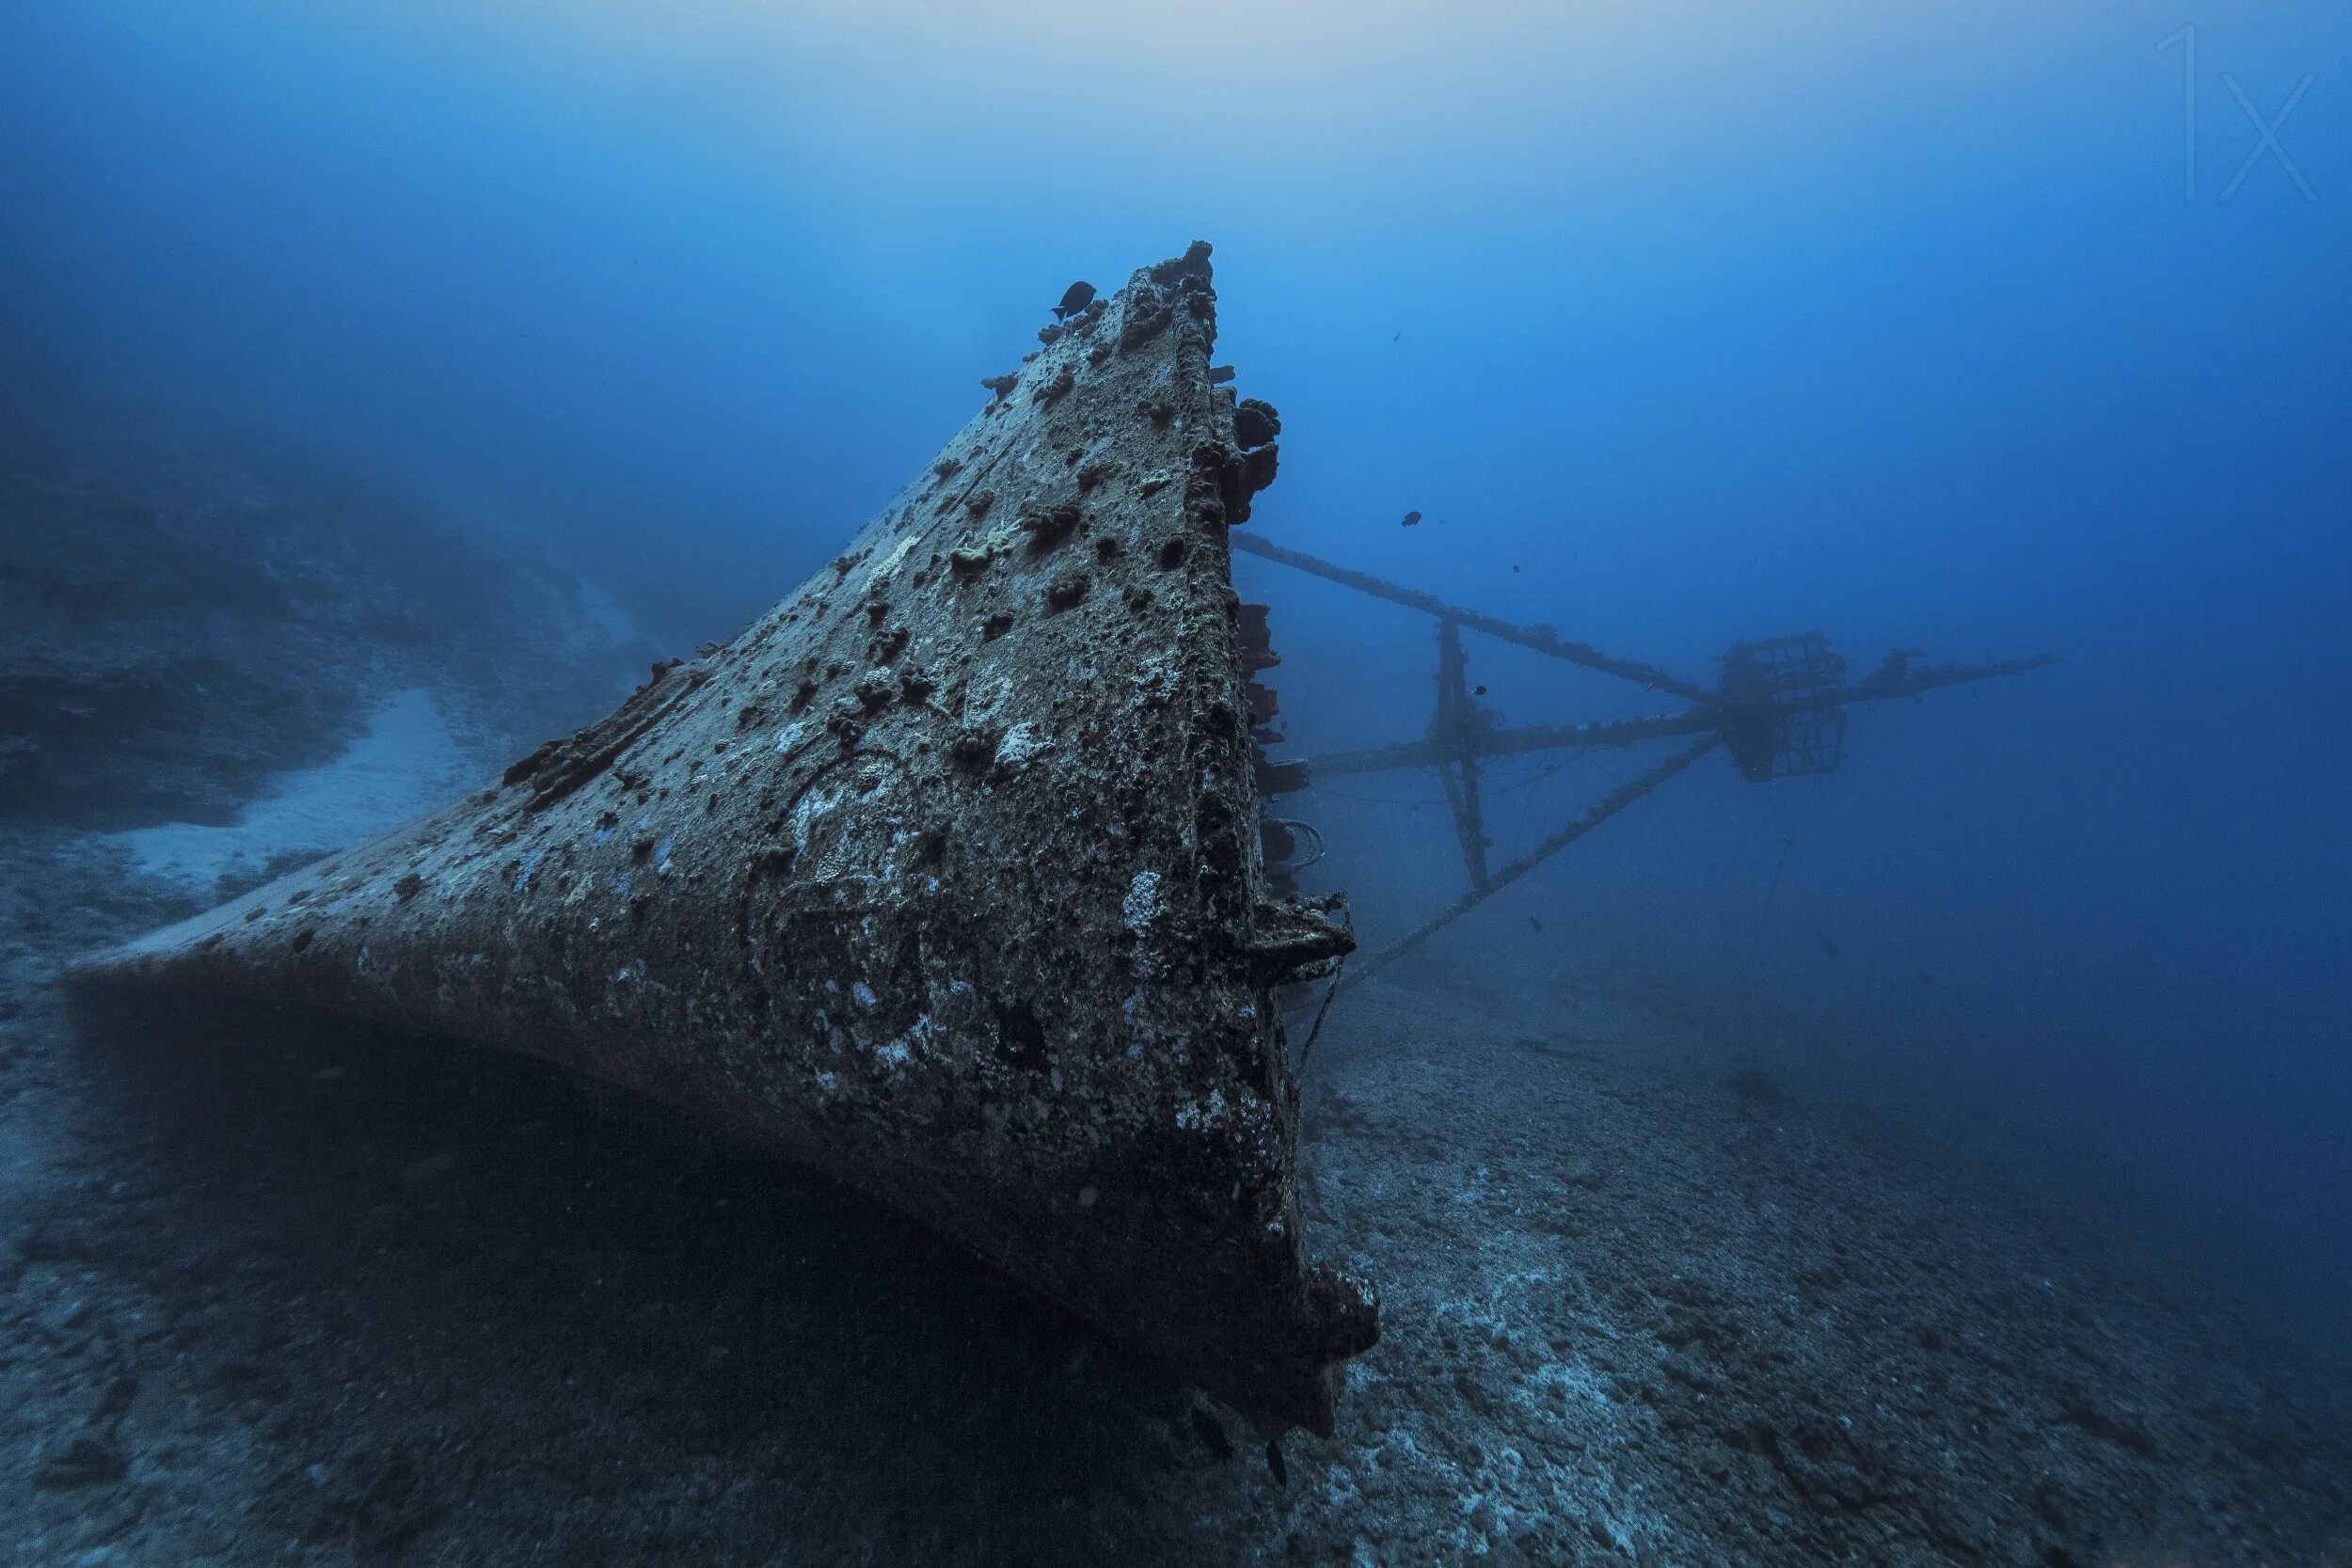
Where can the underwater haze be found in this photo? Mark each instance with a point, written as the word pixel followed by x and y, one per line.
pixel 557 338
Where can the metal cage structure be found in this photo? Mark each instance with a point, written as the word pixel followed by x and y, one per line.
pixel 1778 709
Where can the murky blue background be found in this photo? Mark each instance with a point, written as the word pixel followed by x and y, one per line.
pixel 1959 327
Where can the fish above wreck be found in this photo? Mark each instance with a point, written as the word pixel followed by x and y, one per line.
pixel 945 877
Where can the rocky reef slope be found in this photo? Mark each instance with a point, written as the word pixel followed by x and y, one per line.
pixel 184 609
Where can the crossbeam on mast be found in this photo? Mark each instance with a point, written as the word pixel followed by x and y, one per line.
pixel 1543 639
pixel 1600 811
pixel 1779 710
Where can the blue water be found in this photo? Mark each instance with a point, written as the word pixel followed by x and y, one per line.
pixel 1956 328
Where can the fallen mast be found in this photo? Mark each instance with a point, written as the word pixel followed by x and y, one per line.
pixel 1778 707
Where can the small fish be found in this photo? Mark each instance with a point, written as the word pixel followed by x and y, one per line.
pixel 1515 568
pixel 1399 333
pixel 1074 299
pixel 1481 691
pixel 1411 518
pixel 1828 945
pixel 1537 924
pixel 1275 1462
pixel 1212 1434
pixel 1924 978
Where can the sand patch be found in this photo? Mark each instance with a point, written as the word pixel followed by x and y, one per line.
pixel 406 762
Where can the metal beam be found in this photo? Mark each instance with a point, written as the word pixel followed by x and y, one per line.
pixel 1457 741
pixel 1450 732
pixel 1601 811
pixel 1910 683
pixel 1517 742
pixel 1629 731
pixel 1543 639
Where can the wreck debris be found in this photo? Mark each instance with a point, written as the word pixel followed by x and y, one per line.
pixel 959 902
pixel 1778 707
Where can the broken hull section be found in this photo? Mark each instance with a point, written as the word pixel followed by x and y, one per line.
pixel 944 877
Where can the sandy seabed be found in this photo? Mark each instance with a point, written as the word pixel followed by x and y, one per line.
pixel 276 1292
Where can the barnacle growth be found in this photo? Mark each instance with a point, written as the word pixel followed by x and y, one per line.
pixel 949 878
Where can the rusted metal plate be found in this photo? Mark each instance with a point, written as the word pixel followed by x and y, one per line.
pixel 944 877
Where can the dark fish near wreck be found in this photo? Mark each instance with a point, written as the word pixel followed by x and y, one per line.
pixel 1411 518
pixel 1074 299
pixel 1275 1462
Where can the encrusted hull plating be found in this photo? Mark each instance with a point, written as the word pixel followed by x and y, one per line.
pixel 944 877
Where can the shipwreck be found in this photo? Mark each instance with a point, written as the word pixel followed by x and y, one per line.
pixel 1778 709
pixel 949 876
pixel 956 877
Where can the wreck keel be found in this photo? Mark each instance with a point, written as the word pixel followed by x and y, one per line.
pixel 944 877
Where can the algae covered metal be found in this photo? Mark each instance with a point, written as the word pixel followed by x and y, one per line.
pixel 944 877
pixel 1778 709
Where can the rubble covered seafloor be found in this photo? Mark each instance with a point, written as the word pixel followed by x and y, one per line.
pixel 298 1300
